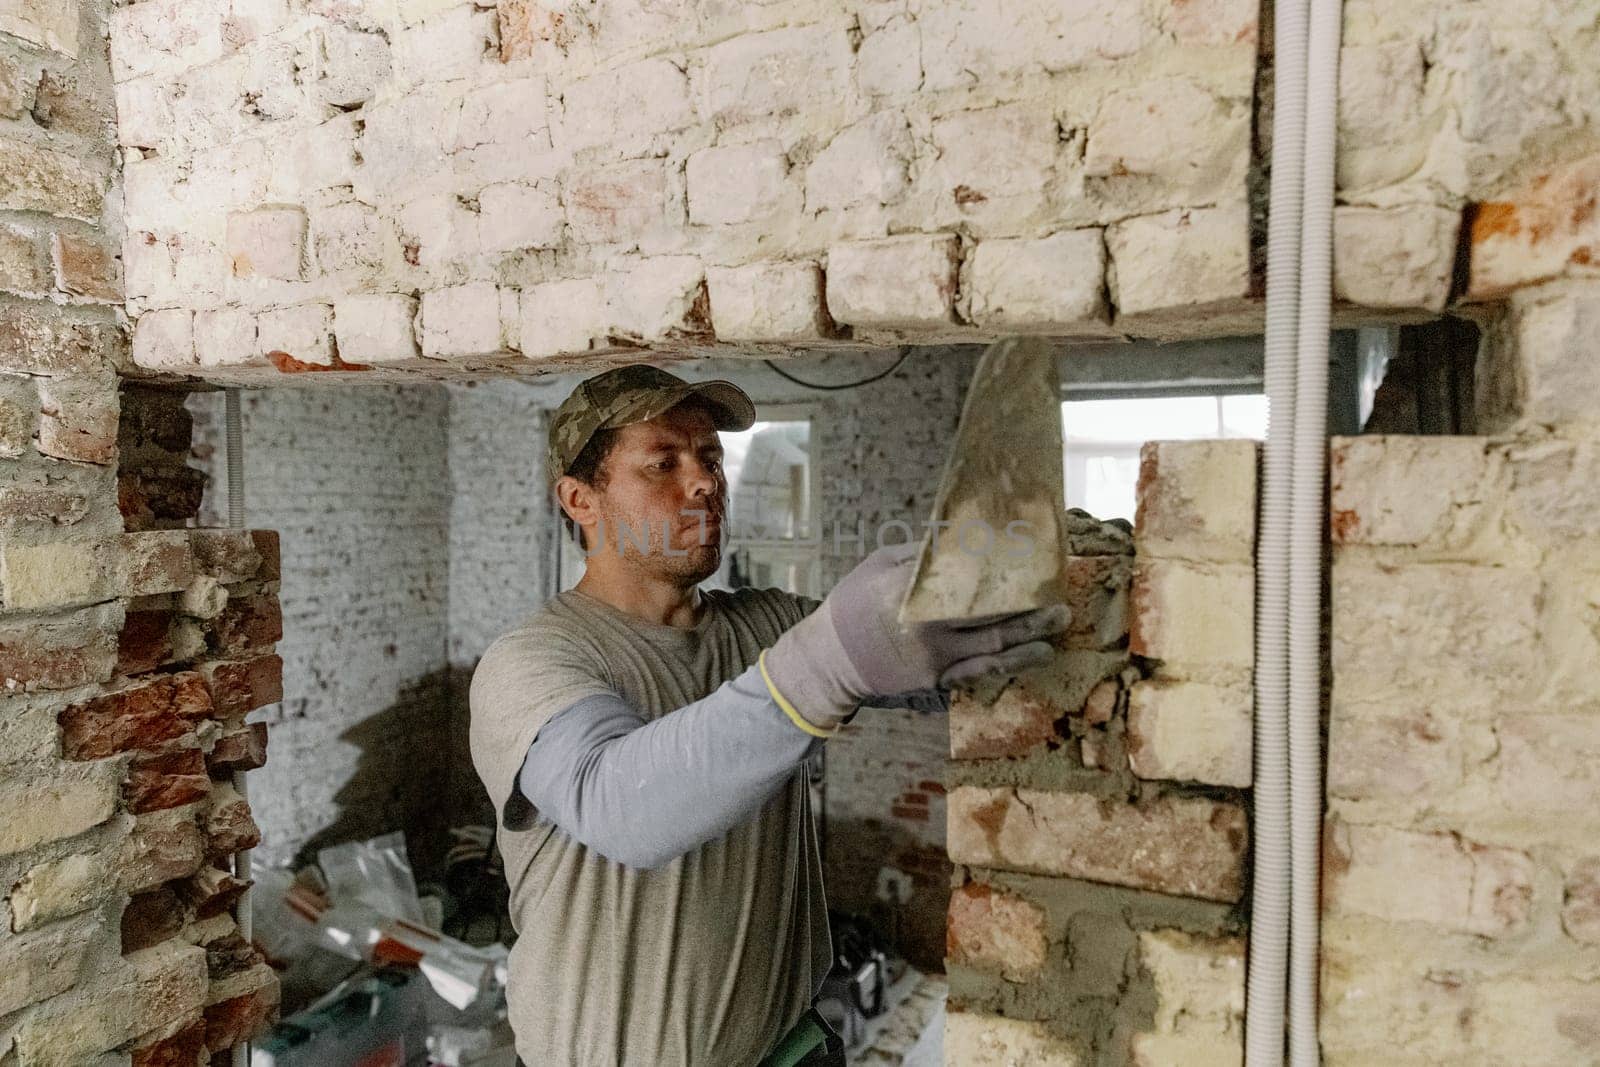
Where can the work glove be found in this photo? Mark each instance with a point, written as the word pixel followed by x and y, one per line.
pixel 853 645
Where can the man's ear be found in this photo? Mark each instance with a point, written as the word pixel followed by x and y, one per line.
pixel 577 500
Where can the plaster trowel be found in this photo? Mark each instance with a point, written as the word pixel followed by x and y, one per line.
pixel 995 543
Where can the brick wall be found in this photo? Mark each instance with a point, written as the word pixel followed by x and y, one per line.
pixel 432 187
pixel 355 482
pixel 130 647
pixel 1097 813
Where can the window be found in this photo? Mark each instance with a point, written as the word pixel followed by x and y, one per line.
pixel 1102 440
pixel 774 537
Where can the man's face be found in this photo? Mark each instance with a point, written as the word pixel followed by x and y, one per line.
pixel 662 485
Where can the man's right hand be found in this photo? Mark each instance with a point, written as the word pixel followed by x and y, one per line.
pixel 853 645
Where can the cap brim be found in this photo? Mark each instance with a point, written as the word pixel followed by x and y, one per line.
pixel 731 408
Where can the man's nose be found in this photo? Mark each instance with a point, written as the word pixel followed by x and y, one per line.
pixel 702 479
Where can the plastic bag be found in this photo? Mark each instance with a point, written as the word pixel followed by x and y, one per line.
pixel 376 872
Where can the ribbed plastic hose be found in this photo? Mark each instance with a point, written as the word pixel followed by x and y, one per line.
pixel 1269 903
pixel 241 859
pixel 1309 528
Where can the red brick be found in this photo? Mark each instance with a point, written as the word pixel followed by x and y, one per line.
pixel 993 929
pixel 150 918
pixel 58 507
pixel 247 624
pixel 153 561
pixel 243 748
pixel 147 498
pixel 227 555
pixel 1102 702
pixel 85 268
pixel 163 845
pixel 229 955
pixel 267 546
pixel 140 716
pixel 182 1049
pixel 145 642
pixel 34 341
pixel 240 686
pixel 166 780
pixel 1187 846
pixel 58 652
pixel 78 419
pixel 1016 722
pixel 240 1017
pixel 211 891
pixel 229 825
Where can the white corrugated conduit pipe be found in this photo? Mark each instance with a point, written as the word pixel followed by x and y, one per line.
pixel 1267 965
pixel 241 860
pixel 1308 528
pixel 1286 905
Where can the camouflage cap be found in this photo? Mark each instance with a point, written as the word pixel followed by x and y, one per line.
pixel 632 394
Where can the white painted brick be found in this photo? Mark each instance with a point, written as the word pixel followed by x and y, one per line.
pixel 456 43
pixel 1557 372
pixel 512 216
pixel 1435 878
pixel 899 282
pixel 1190 731
pixel 1394 258
pixel 977 42
pixel 970 143
pixel 863 164
pixel 1181 264
pixel 403 146
pixel 504 134
pixel 440 229
pixel 462 320
pixel 1199 1018
pixel 1536 232
pixel 165 36
pixel 663 299
pixel 1175 131
pixel 146 265
pixel 1411 753
pixel 352 237
pixel 1052 285
pixel 1380 89
pixel 376 328
pixel 889 60
pixel 1194 616
pixel 351 65
pixel 1549 765
pixel 164 339
pixel 623 106
pixel 561 317
pixel 318 158
pixel 1197 500
pixel 267 243
pixel 619 204
pixel 1428 492
pixel 226 337
pixel 303 332
pixel 773 73
pixel 1445 634
pixel 1212 22
pixel 737 183
pixel 768 302
pixel 144 112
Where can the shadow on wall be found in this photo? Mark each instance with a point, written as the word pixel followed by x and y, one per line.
pixel 408 777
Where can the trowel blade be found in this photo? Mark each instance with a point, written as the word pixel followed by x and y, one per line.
pixel 995 543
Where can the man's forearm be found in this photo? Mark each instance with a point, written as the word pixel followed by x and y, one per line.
pixel 644 793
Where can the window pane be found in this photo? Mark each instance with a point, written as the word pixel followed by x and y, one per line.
pixel 1102 440
pixel 769 480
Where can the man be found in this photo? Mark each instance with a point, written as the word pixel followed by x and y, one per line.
pixel 643 741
